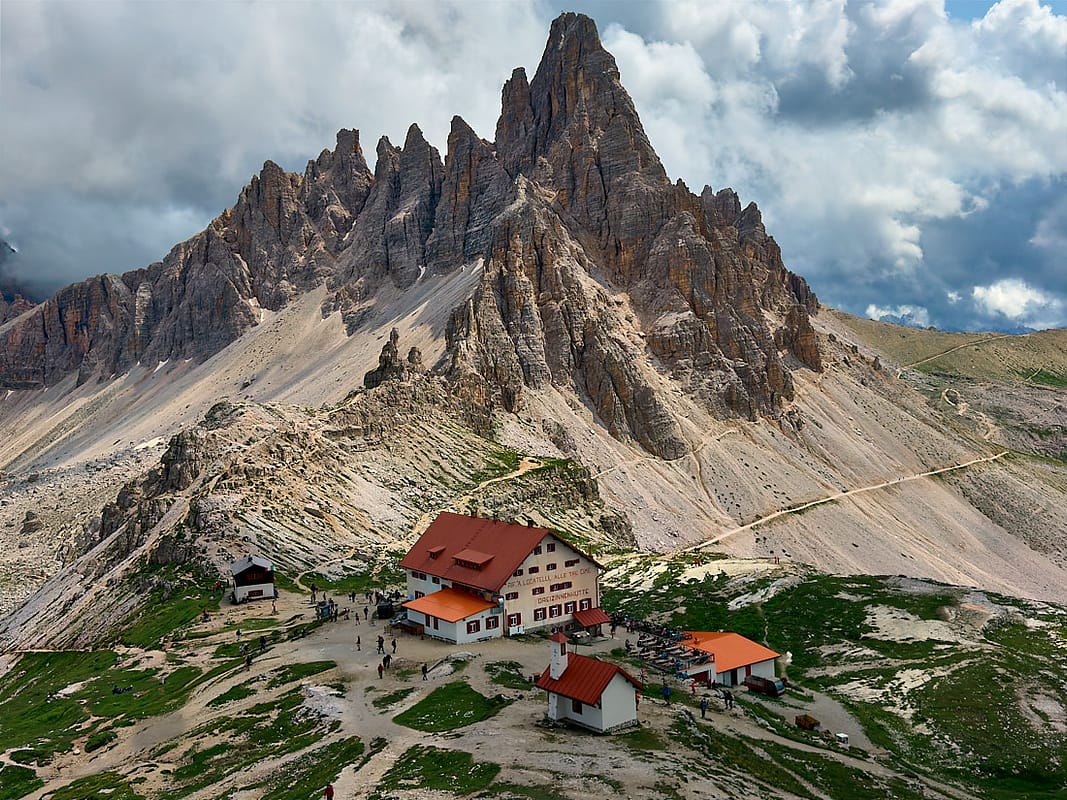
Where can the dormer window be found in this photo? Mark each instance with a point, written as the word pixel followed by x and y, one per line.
pixel 434 552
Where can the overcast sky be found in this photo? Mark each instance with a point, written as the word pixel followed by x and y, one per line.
pixel 910 156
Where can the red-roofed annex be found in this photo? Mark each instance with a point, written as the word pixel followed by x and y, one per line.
pixel 525 577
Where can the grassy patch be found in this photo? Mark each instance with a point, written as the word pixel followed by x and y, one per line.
pixel 519 791
pixel 100 739
pixel 296 672
pixel 108 785
pixel 508 674
pixel 238 692
pixel 433 768
pixel 305 777
pixel 17 782
pixel 642 739
pixel 176 602
pixel 454 705
pixel 392 698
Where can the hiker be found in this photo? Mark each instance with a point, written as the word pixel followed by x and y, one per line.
pixel 357 643
pixel 352 596
pixel 364 612
pixel 704 708
pixel 387 661
pixel 381 643
pixel 329 791
pixel 394 646
pixel 424 671
pixel 238 634
pixel 729 698
pixel 248 661
pixel 381 671
pixel 262 643
pixel 273 606
pixel 667 694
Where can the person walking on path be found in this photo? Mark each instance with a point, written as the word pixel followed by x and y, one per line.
pixel 424 671
pixel 381 671
pixel 667 694
pixel 357 643
pixel 729 698
pixel 704 708
pixel 273 606
pixel 381 643
pixel 365 612
pixel 329 791
pixel 387 661
pixel 394 646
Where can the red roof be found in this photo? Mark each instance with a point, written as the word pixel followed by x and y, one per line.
pixel 730 650
pixel 591 616
pixel 488 550
pixel 585 679
pixel 558 636
pixel 449 604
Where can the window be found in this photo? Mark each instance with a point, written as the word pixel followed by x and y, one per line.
pixel 568 608
pixel 517 573
pixel 533 570
pixel 555 611
pixel 435 579
pixel 571 562
pixel 537 550
pixel 514 619
pixel 551 547
pixel 537 590
pixel 418 575
pixel 511 596
pixel 559 587
pixel 418 594
pixel 492 622
pixel 474 626
pixel 550 567
pixel 539 614
pixel 436 623
pixel 576 706
pixel 585 605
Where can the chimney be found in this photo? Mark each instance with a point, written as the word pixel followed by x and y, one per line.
pixel 558 665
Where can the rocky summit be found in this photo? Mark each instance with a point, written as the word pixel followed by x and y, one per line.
pixel 595 271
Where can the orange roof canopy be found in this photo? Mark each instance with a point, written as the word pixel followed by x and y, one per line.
pixel 449 604
pixel 731 650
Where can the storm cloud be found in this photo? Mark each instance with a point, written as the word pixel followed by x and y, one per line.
pixel 910 162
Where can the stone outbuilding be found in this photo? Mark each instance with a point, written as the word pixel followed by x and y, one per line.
pixel 584 691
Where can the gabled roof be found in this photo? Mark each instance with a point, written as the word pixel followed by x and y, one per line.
pixel 448 604
pixel 731 650
pixel 472 550
pixel 241 564
pixel 585 679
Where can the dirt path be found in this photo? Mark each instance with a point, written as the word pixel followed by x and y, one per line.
pixel 960 347
pixel 838 496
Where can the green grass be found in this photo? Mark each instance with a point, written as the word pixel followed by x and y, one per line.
pixel 103 786
pixel 306 776
pixel 175 603
pixel 454 705
pixel 519 791
pixel 100 739
pixel 508 674
pixel 17 782
pixel 392 698
pixel 432 768
pixel 642 739
pixel 238 692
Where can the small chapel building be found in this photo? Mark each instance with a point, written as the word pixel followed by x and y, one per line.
pixel 584 691
pixel 470 578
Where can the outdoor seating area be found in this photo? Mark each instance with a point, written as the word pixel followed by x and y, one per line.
pixel 661 647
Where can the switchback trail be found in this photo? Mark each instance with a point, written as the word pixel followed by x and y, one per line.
pixel 960 347
pixel 838 496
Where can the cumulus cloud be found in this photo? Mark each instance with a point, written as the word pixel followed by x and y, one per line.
pixel 914 316
pixel 1019 302
pixel 901 156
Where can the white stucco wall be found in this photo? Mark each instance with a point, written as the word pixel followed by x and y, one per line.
pixel 457 631
pixel 241 593
pixel 618 706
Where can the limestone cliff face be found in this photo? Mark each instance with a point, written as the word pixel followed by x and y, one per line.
pixel 599 275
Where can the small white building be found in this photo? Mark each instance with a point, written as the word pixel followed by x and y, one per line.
pixel 725 658
pixel 253 579
pixel 586 692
